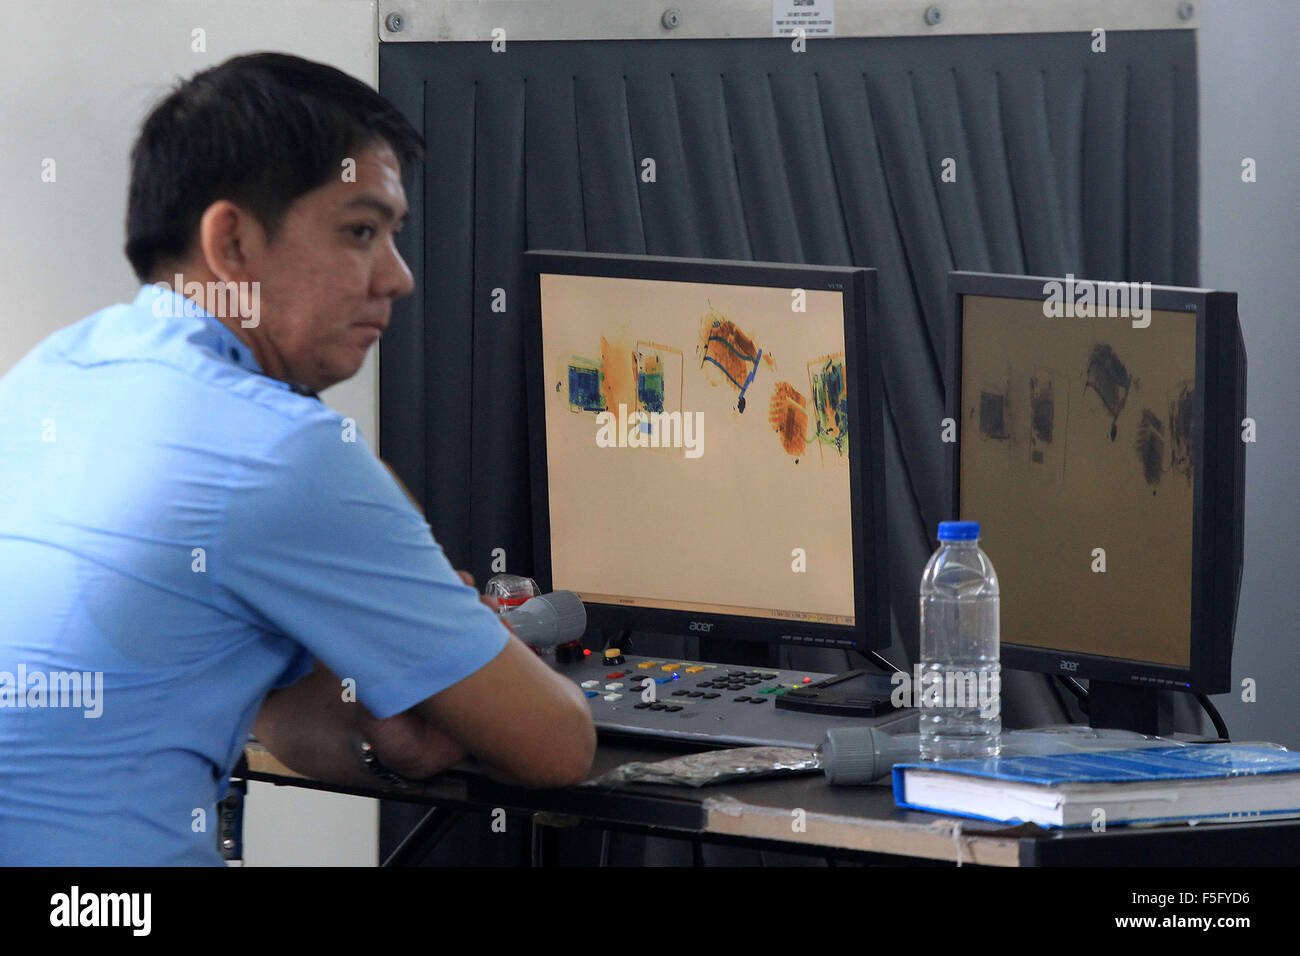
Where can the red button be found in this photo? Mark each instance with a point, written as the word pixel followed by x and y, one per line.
pixel 615 674
pixel 586 652
pixel 807 680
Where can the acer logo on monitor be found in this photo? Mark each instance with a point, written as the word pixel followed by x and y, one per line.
pixel 701 626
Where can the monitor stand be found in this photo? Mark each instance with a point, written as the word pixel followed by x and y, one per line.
pixel 1123 707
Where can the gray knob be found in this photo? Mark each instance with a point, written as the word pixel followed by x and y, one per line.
pixel 852 756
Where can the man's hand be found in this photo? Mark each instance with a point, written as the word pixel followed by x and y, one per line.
pixel 309 728
pixel 408 744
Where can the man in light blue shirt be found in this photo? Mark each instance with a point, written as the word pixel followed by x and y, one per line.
pixel 191 543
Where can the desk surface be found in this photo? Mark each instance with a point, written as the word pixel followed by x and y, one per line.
pixel 835 820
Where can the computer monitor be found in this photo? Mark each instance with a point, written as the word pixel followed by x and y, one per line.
pixel 705 446
pixel 1099 443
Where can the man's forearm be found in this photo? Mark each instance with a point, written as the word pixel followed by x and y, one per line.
pixel 311 729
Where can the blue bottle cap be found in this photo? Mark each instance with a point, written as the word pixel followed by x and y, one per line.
pixel 959 530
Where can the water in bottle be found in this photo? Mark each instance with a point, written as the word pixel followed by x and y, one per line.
pixel 960 700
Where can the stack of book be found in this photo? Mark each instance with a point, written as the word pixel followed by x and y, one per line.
pixel 1199 782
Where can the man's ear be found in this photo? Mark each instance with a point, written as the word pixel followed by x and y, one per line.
pixel 230 240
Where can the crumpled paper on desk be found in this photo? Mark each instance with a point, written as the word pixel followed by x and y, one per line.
pixel 714 766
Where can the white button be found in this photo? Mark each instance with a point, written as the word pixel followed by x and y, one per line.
pixel 614 686
pixel 613 697
pixel 589 684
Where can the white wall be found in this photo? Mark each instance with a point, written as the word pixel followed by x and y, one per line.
pixel 78 78
pixel 1250 243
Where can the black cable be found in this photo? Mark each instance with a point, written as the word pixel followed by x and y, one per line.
pixel 1215 718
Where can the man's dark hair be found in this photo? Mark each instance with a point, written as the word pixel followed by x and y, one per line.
pixel 259 130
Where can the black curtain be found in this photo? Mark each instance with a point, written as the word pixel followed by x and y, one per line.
pixel 1063 160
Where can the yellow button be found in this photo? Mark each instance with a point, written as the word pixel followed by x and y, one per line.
pixel 613 652
pixel 694 670
pixel 670 667
pixel 646 665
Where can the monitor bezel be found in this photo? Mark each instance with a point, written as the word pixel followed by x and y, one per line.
pixel 871 630
pixel 1218 473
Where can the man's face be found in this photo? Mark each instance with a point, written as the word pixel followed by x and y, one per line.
pixel 329 279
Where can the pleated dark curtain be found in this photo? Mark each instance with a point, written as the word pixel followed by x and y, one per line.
pixel 1062 161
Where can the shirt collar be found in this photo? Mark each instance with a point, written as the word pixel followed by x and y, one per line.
pixel 164 302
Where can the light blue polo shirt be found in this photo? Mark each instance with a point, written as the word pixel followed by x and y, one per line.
pixel 179 534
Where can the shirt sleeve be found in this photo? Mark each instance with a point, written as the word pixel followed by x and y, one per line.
pixel 322 545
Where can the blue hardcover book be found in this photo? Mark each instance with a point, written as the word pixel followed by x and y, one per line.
pixel 1199 782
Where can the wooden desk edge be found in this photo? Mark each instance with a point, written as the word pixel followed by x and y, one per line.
pixel 937 841
pixel 261 760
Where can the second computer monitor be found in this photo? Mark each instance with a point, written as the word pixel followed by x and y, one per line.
pixel 706 447
pixel 1101 447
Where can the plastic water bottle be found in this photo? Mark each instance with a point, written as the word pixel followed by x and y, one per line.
pixel 961 677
